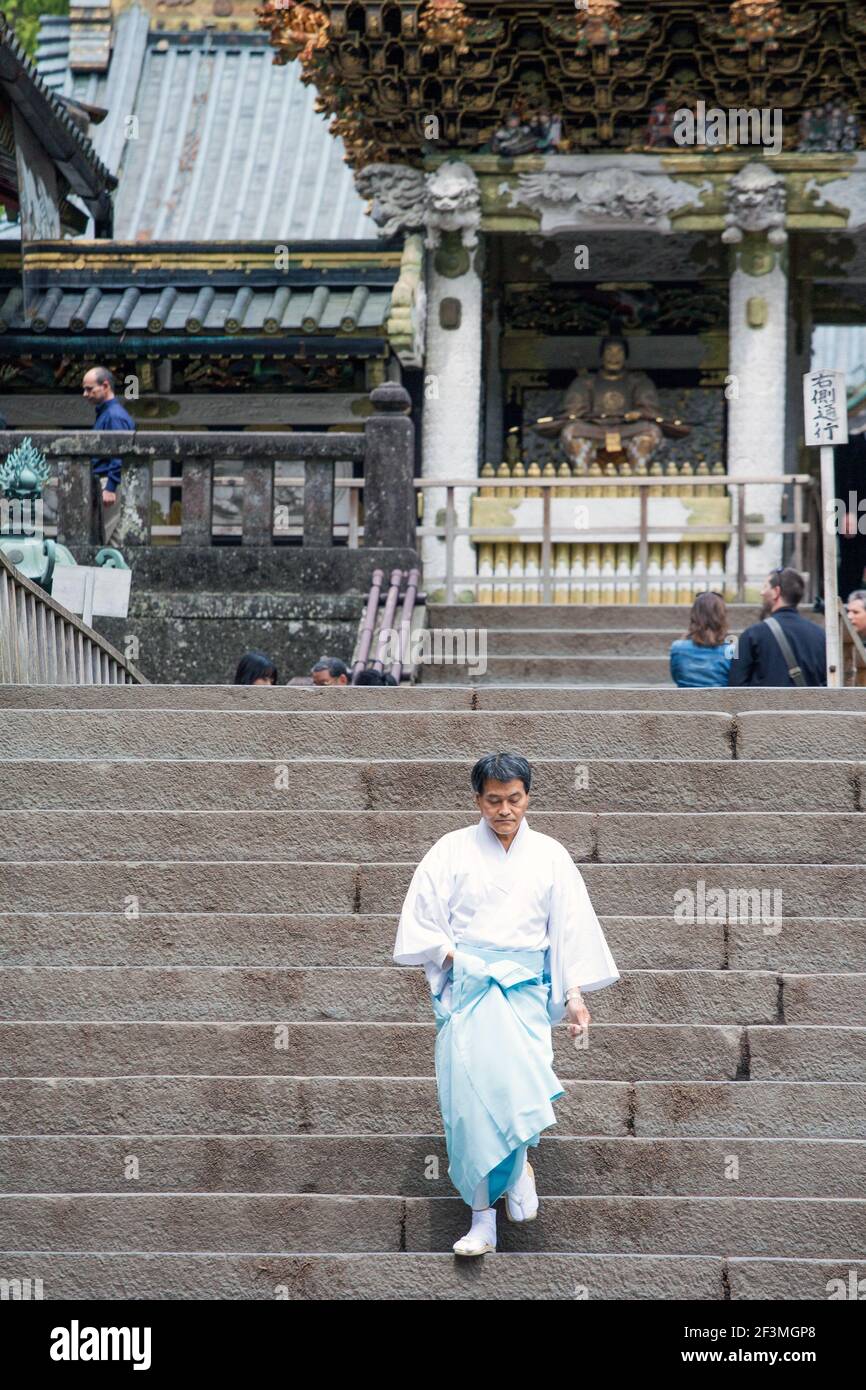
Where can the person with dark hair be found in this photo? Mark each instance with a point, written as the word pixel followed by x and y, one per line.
pixel 500 918
pixel 371 677
pixel 703 656
pixel 856 606
pixel 98 388
pixel 254 668
pixel 783 648
pixel 330 670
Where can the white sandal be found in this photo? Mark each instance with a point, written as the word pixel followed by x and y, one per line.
pixel 523 1208
pixel 478 1241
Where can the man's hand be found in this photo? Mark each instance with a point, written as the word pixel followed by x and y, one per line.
pixel 108 497
pixel 631 415
pixel 577 1016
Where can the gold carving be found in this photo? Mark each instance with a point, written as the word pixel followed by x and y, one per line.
pixel 443 24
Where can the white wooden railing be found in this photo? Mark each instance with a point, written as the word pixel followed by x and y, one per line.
pixel 42 643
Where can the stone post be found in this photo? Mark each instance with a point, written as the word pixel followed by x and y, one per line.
pixel 389 494
pixel 757 364
pixel 452 399
pixel 74 502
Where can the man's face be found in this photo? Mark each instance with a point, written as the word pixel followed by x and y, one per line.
pixel 325 678
pixel 95 391
pixel 770 595
pixel 613 357
pixel 503 805
pixel 857 617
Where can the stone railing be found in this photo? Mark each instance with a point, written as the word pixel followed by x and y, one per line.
pixel 385 451
pixel 41 643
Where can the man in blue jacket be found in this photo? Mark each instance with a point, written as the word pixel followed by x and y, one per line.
pixel 98 387
pixel 782 649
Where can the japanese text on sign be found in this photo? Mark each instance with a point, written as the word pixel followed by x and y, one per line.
pixel 825 406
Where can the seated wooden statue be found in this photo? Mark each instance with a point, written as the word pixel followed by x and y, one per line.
pixel 615 410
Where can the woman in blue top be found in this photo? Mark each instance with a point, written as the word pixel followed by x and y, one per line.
pixel 704 656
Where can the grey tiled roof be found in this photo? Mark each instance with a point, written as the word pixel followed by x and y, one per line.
pixel 232 310
pixel 227 144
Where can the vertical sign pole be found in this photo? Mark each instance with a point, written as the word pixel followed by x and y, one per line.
pixel 87 600
pixel 831 585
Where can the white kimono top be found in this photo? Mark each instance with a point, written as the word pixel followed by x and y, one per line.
pixel 530 898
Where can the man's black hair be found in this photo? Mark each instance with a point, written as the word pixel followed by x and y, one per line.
pixel 333 665
pixel 500 767
pixel 790 581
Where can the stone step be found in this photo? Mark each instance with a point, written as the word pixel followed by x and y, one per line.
pixel 613 784
pixel 284 735
pixel 803 945
pixel 577 642
pixel 607 837
pixel 323 699
pixel 381 1277
pixel 616 1052
pixel 557 670
pixel 417 1165
pixel 623 616
pixel 246 1104
pixel 802 1227
pixel 373 995
pixel 358 994
pixel 807 890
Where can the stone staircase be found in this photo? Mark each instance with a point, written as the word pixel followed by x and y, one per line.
pixel 215 1084
pixel 572 644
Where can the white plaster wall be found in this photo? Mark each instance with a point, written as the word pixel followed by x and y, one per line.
pixel 756 415
pixel 452 412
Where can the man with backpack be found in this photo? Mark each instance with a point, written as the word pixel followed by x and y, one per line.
pixel 783 648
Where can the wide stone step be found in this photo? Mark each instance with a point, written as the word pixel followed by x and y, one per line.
pixel 802 1227
pixel 615 1052
pixel 559 670
pixel 380 1277
pixel 529 696
pixel 583 735
pixel 417 1165
pixel 615 784
pixel 284 735
pixel 270 886
pixel 803 945
pixel 624 616
pixel 390 995
pixel 608 837
pixel 245 1104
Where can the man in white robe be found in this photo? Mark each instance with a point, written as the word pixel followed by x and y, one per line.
pixel 500 918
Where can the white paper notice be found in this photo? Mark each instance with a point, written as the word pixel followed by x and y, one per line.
pixel 825 407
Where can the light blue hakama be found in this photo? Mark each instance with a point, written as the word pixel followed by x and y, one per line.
pixel 494 1071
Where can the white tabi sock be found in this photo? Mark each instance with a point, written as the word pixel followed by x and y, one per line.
pixel 481 1236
